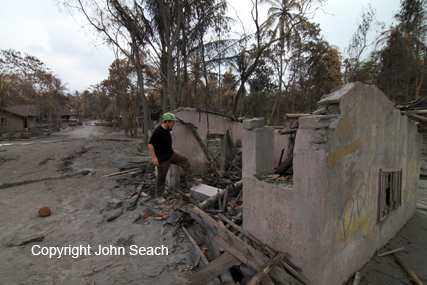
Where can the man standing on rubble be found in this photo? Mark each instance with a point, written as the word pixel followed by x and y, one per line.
pixel 163 155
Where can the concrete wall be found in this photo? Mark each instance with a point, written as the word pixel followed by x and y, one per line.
pixel 328 222
pixel 184 141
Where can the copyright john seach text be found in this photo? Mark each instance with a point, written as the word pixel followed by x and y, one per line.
pixel 77 251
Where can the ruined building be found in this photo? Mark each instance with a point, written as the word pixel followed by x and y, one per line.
pixel 356 167
pixel 356 164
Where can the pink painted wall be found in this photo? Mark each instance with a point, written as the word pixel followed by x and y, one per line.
pixel 328 222
pixel 184 142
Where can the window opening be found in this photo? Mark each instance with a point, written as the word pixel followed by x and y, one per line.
pixel 390 192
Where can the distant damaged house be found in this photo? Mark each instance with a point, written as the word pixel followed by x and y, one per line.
pixel 68 113
pixel 18 117
pixel 221 135
pixel 355 177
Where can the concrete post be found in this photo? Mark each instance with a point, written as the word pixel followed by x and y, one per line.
pixel 173 176
pixel 258 145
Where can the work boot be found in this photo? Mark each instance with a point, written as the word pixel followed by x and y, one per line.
pixel 160 200
pixel 194 182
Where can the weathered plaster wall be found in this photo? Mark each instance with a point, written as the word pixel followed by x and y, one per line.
pixel 183 139
pixel 371 135
pixel 328 222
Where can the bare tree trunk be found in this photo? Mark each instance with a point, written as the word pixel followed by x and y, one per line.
pixel 147 117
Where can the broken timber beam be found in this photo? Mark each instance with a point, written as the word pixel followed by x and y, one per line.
pixel 256 279
pixel 240 229
pixel 193 242
pixel 237 247
pixel 11 184
pixel 193 130
pixel 295 116
pixel 281 170
pixel 225 275
pixel 288 267
pixel 287 132
pixel 214 199
pixel 416 117
pixel 213 269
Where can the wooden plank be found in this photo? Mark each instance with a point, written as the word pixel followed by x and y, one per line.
pixel 247 254
pixel 256 279
pixel 287 131
pixel 295 116
pixel 122 172
pixel 266 248
pixel 240 229
pixel 237 253
pixel 391 251
pixel 408 270
pixel 214 250
pixel 205 262
pixel 213 269
pixel 202 256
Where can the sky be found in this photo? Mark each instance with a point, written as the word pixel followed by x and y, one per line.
pixel 70 49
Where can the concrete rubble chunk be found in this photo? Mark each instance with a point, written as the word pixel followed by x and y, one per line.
pixel 203 192
pixel 334 109
pixel 254 123
pixel 114 203
pixel 314 122
pixel 336 95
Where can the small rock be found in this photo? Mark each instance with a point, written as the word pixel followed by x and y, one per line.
pixel 44 211
pixel 114 203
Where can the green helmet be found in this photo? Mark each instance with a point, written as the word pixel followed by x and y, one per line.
pixel 169 117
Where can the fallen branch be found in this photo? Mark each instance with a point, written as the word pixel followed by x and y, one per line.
pixel 12 184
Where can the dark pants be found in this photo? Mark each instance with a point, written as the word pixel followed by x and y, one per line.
pixel 163 168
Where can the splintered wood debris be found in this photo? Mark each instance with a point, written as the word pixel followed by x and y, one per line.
pixel 213 227
pixel 223 252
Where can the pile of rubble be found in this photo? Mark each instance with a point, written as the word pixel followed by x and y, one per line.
pixel 223 252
